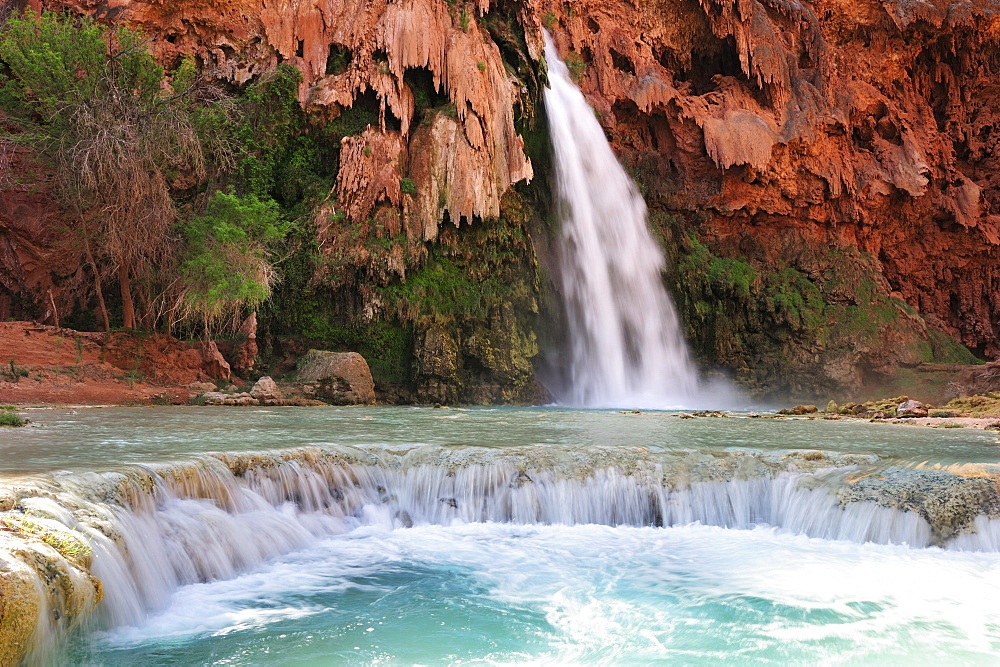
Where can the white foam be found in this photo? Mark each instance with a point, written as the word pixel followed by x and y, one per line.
pixel 637 594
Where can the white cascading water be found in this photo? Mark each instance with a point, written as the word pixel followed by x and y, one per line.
pixel 156 528
pixel 625 343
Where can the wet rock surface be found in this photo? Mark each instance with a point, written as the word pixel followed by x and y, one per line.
pixel 949 503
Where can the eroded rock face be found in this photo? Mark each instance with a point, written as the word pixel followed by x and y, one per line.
pixel 949 503
pixel 43 589
pixel 851 143
pixel 244 356
pixel 787 127
pixel 38 268
pixel 346 48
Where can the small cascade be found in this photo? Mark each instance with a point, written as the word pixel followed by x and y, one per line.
pixel 625 342
pixel 155 528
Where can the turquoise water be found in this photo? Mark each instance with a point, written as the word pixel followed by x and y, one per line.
pixel 94 439
pixel 579 594
pixel 370 588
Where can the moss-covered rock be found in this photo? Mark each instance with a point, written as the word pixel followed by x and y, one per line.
pixel 795 318
pixel 45 584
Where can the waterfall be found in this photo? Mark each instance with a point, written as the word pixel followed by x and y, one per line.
pixel 155 528
pixel 625 343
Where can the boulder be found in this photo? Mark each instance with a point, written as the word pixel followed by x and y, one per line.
pixel 340 378
pixel 266 389
pixel 202 386
pixel 222 398
pixel 799 410
pixel 911 409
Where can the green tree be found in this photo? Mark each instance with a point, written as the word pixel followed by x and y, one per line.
pixel 227 269
pixel 119 138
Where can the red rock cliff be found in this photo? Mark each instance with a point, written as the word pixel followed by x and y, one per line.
pixel 775 129
pixel 783 125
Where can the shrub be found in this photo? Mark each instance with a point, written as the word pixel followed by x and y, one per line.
pixel 8 418
pixel 577 68
pixel 14 372
pixel 227 269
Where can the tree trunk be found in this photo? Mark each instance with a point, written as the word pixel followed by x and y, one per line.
pixel 55 311
pixel 128 308
pixel 97 280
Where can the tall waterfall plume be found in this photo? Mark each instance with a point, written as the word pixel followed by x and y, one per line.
pixel 625 344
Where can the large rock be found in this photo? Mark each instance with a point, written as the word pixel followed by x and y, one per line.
pixel 799 410
pixel 266 389
pixel 340 378
pixel 911 409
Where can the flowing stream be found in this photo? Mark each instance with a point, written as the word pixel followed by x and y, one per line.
pixel 624 338
pixel 433 536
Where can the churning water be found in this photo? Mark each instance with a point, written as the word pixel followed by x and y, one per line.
pixel 400 535
pixel 625 343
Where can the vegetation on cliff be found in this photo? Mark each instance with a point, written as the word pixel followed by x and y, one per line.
pixel 139 158
pixel 824 312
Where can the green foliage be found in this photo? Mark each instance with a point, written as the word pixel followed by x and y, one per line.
pixel 59 64
pixel 463 20
pixel 338 61
pixel 121 138
pixel 977 405
pixel 133 376
pixel 469 275
pixel 549 20
pixel 793 299
pixel 11 419
pixel 276 158
pixel 426 95
pixel 442 289
pixel 13 372
pixel 226 268
pixel 71 544
pixel 577 68
pixel 764 321
pixel 481 66
pixel 946 350
pixel 407 186
pixel 725 276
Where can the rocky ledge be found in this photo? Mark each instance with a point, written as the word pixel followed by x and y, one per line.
pixel 322 378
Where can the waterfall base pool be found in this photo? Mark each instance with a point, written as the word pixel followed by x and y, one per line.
pixel 421 536
pixel 578 594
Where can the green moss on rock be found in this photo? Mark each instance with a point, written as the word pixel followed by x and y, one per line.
pixel 806 320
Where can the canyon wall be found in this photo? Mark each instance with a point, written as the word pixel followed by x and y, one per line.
pixel 820 174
